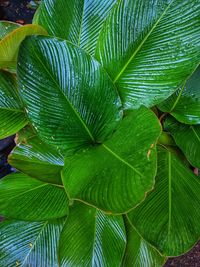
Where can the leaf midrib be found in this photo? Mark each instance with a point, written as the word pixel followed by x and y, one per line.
pixel 29 190
pixel 34 243
pixel 69 103
pixel 12 109
pixel 176 102
pixel 195 133
pixel 35 188
pixel 142 43
pixel 94 240
pixel 33 160
pixel 169 192
pixel 122 160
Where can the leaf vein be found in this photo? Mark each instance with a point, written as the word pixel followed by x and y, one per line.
pixel 141 44
pixel 122 160
pixel 70 104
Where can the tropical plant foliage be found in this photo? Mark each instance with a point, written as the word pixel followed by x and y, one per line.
pixel 104 99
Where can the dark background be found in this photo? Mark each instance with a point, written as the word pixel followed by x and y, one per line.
pixel 22 12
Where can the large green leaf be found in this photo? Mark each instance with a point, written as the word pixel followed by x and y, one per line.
pixel 70 99
pixel 31 244
pixel 78 21
pixel 139 253
pixel 9 45
pixel 38 160
pixel 12 116
pixel 91 238
pixel 187 138
pixel 169 217
pixel 25 198
pixel 150 47
pixel 116 175
pixel 6 27
pixel 184 104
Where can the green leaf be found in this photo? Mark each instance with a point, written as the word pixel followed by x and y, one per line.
pixel 169 217
pixel 9 45
pixel 166 139
pixel 25 198
pixel 12 116
pixel 116 175
pixel 184 104
pixel 77 105
pixel 149 48
pixel 29 243
pixel 25 134
pixel 6 27
pixel 187 139
pixel 38 160
pixel 91 238
pixel 139 253
pixel 84 21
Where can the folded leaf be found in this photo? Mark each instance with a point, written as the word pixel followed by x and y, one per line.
pixel 187 139
pixel 38 160
pixel 28 132
pixel 91 238
pixel 29 243
pixel 12 116
pixel 9 45
pixel 139 253
pixel 169 217
pixel 6 27
pixel 116 175
pixel 184 104
pixel 70 99
pixel 149 48
pixel 25 198
pixel 78 21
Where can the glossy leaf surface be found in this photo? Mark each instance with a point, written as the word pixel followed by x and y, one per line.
pixel 6 27
pixel 91 238
pixel 29 243
pixel 9 45
pixel 139 253
pixel 187 138
pixel 78 21
pixel 116 175
pixel 25 198
pixel 77 105
pixel 184 104
pixel 169 217
pixel 12 117
pixel 149 48
pixel 38 160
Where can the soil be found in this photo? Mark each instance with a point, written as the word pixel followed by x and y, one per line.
pixel 20 11
pixel 16 10
pixel 6 145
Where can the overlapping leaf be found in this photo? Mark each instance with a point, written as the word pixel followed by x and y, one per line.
pixel 38 160
pixel 25 198
pixel 69 97
pixel 91 238
pixel 116 175
pixel 78 21
pixel 150 47
pixel 139 253
pixel 9 45
pixel 29 243
pixel 169 217
pixel 12 116
pixel 187 138
pixel 184 104
pixel 6 27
